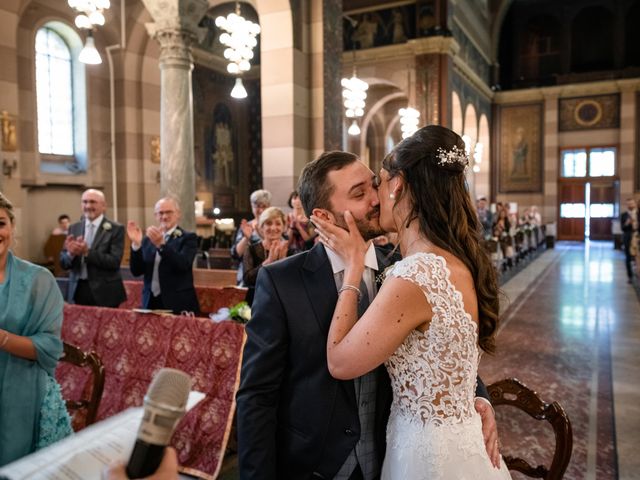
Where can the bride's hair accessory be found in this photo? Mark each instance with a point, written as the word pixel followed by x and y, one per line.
pixel 455 156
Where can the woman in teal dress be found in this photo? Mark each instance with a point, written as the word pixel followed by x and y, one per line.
pixel 32 412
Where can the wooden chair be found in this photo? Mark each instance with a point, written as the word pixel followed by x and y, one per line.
pixel 512 392
pixel 77 357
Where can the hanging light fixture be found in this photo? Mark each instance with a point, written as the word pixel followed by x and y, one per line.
pixel 477 156
pixel 89 54
pixel 239 37
pixel 90 14
pixel 354 94
pixel 409 117
pixel 238 90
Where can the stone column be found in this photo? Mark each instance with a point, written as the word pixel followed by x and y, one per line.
pixel 176 29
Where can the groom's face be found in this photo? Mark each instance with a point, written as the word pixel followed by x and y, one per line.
pixel 355 188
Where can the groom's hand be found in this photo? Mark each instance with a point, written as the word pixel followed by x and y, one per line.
pixel 489 430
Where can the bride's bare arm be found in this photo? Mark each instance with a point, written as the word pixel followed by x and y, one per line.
pixel 357 347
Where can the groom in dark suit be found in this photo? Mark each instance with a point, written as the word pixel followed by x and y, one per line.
pixel 295 421
pixel 165 257
pixel 93 251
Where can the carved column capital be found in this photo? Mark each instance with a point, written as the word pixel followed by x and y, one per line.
pixel 175 47
pixel 176 29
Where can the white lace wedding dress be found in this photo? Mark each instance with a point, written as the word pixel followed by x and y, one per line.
pixel 434 431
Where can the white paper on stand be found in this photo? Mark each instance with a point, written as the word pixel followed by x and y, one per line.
pixel 83 455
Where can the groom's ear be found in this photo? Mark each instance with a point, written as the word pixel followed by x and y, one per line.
pixel 324 214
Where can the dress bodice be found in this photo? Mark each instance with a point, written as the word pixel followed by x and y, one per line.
pixel 433 373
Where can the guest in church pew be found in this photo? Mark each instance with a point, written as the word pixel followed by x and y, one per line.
pixel 93 252
pixel 299 229
pixel 32 411
pixel 247 232
pixel 63 225
pixel 271 248
pixel 165 257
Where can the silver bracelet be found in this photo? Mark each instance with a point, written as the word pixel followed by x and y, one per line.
pixel 347 286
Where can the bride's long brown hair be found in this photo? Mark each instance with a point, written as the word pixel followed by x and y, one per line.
pixel 440 200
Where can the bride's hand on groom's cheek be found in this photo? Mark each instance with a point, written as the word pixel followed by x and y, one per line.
pixel 489 430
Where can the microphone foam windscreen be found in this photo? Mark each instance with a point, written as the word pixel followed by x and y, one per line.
pixel 170 387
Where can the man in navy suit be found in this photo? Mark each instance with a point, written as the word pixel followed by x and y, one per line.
pixel 295 420
pixel 165 257
pixel 92 252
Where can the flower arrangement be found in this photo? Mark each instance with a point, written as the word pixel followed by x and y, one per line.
pixel 241 312
pixel 106 226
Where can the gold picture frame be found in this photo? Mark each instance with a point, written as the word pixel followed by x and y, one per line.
pixel 520 149
pixel 9 134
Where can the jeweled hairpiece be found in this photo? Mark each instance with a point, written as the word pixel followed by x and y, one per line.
pixel 455 155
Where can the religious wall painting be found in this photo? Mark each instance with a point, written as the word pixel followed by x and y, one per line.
pixel 220 150
pixel 154 149
pixel 520 149
pixel 427 21
pixel 8 130
pixel 379 27
pixel 589 113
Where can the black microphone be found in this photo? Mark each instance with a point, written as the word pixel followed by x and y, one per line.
pixel 164 405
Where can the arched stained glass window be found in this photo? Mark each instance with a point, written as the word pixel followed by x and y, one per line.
pixel 54 93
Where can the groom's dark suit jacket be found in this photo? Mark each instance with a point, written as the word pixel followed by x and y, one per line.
pixel 295 421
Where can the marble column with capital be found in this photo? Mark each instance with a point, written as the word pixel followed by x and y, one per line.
pixel 175 28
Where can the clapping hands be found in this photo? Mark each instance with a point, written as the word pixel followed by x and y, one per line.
pixel 277 250
pixel 134 232
pixel 76 246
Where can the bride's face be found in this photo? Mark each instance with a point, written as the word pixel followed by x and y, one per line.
pixel 385 192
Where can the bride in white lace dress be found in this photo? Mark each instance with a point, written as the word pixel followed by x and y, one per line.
pixel 437 309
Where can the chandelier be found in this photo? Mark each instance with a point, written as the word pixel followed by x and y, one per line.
pixel 240 39
pixel 409 119
pixel 89 15
pixel 354 93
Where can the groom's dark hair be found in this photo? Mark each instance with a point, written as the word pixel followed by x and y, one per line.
pixel 314 189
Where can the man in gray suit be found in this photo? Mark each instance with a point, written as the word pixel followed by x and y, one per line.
pixel 93 252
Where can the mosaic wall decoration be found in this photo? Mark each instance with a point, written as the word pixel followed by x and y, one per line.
pixel 520 148
pixel 588 113
pixel 379 27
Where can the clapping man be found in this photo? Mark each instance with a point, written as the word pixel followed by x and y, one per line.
pixel 92 252
pixel 165 257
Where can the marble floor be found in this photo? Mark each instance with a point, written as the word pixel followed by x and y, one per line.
pixel 570 330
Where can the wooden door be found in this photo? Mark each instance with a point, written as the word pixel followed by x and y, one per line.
pixel 602 192
pixel 570 228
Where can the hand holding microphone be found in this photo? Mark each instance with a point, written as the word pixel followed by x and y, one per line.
pixel 164 405
pixel 168 469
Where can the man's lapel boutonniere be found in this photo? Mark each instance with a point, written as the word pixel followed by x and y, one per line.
pixel 106 226
pixel 177 233
pixel 381 276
